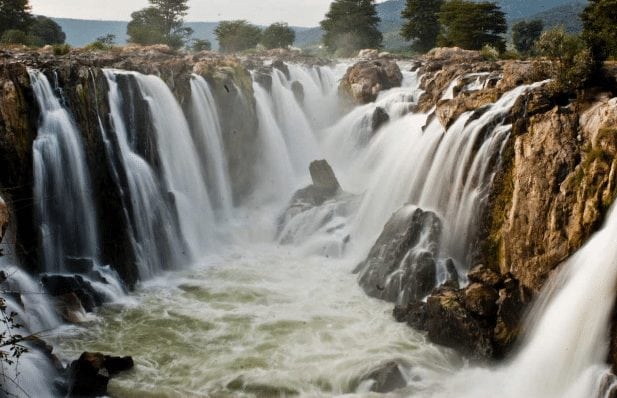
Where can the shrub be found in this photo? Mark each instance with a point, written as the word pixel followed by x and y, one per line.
pixel 61 49
pixel 489 53
pixel 14 36
pixel 201 45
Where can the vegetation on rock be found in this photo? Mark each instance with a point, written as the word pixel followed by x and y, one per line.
pixel 351 25
pixel 278 35
pixel 237 36
pixel 525 34
pixel 18 26
pixel 161 23
pixel 422 23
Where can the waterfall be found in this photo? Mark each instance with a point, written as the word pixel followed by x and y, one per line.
pixel 62 191
pixel 209 142
pixel 564 353
pixel 154 238
pixel 181 171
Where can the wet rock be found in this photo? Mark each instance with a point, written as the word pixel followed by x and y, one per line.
pixel 401 265
pixel 512 302
pixel 452 273
pixel 323 176
pixel 414 314
pixel 90 374
pixel 4 219
pixel 482 274
pixel 79 265
pixel 379 118
pixel 298 89
pixel 449 323
pixel 280 65
pixel 386 378
pixel 481 299
pixel 61 285
pixel 364 80
pixel 70 308
pixel 264 78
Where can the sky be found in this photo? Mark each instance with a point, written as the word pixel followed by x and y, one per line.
pixel 263 12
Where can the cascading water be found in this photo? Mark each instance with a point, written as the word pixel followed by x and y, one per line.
pixel 261 319
pixel 182 174
pixel 209 142
pixel 154 237
pixel 62 190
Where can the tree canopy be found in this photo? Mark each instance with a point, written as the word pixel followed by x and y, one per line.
pixel 14 14
pixel 278 35
pixel 161 23
pixel 237 35
pixel 18 26
pixel 599 32
pixel 422 23
pixel 471 25
pixel 46 31
pixel 351 25
pixel 525 34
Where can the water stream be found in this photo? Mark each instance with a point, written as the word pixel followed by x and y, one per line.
pixel 256 312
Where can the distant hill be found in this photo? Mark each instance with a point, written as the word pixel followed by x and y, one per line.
pixel 567 15
pixel 553 12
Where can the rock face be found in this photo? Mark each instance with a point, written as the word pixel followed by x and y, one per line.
pixel 90 374
pixel 402 265
pixel 4 218
pixel 481 320
pixel 364 80
pixel 67 287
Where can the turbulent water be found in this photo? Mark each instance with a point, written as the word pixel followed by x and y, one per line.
pixel 234 305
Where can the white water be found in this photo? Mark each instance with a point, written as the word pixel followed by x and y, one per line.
pixel 269 320
pixel 62 190
pixel 154 238
pixel 182 174
pixel 209 143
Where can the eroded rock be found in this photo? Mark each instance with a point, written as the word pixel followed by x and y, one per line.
pixel 364 80
pixel 90 374
pixel 385 378
pixel 401 266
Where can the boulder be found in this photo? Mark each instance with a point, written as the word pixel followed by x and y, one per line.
pixel 298 89
pixel 90 374
pixel 4 218
pixel 482 274
pixel 280 65
pixel 401 266
pixel 368 53
pixel 323 177
pixel 481 299
pixel 364 80
pixel 379 118
pixel 454 54
pixel 61 285
pixel 451 324
pixel 385 378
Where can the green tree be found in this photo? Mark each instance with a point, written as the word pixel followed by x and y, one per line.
pixel 351 25
pixel 599 28
pixel 525 34
pixel 571 64
pixel 422 23
pixel 471 25
pixel 278 35
pixel 201 45
pixel 161 23
pixel 14 14
pixel 45 31
pixel 237 35
pixel 14 36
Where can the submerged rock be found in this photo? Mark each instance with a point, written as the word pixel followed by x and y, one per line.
pixel 401 266
pixel 385 378
pixel 63 285
pixel 364 80
pixel 90 374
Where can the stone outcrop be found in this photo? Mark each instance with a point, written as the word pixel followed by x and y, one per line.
pixel 385 378
pixel 364 80
pixel 4 218
pixel 402 265
pixel 90 374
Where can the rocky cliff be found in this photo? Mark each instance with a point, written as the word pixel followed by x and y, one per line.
pixel 554 183
pixel 85 91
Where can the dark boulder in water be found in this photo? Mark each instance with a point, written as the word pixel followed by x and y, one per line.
pixel 62 285
pixel 401 267
pixel 379 118
pixel 385 378
pixel 298 89
pixel 90 374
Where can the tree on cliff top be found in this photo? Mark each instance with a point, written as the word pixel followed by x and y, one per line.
pixel 161 23
pixel 471 25
pixel 237 35
pixel 14 14
pixel 351 25
pixel 599 22
pixel 278 35
pixel 525 34
pixel 422 24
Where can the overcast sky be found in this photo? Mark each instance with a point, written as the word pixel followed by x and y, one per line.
pixel 295 12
